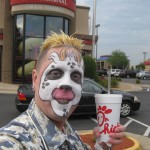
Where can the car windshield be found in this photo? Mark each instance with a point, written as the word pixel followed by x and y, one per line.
pixel 91 87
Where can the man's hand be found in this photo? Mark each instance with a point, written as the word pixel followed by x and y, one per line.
pixel 115 138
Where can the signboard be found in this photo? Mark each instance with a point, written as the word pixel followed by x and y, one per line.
pixel 69 4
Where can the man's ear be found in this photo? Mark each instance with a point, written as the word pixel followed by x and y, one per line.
pixel 34 78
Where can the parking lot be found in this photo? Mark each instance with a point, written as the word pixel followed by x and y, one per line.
pixel 138 120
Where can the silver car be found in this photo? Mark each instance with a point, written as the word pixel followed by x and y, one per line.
pixel 143 75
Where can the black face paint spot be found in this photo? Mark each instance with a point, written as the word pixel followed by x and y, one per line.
pixel 71 64
pixel 52 66
pixel 65 112
pixel 68 63
pixel 44 84
pixel 47 84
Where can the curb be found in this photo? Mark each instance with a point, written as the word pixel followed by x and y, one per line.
pixel 136 145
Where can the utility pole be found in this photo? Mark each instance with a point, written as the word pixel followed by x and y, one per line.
pixel 97 26
pixel 93 28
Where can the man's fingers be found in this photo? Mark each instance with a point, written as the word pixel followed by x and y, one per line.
pixel 120 129
pixel 117 135
pixel 96 132
pixel 115 141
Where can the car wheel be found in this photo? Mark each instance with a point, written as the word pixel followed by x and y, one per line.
pixel 144 78
pixel 19 107
pixel 126 109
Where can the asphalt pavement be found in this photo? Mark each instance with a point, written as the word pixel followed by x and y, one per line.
pixel 141 140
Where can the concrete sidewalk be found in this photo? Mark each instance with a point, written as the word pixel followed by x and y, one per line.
pixel 8 88
pixel 144 141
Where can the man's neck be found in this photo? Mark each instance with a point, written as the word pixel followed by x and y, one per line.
pixel 59 124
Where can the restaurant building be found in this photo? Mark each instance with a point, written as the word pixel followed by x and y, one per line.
pixel 24 24
pixel 147 65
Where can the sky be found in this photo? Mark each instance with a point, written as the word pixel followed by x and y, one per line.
pixel 124 25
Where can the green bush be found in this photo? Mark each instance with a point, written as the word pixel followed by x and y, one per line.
pixel 138 81
pixel 119 79
pixel 90 67
pixel 114 83
pixel 104 82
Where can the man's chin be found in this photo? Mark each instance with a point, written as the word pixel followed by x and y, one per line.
pixel 63 112
pixel 62 101
pixel 56 117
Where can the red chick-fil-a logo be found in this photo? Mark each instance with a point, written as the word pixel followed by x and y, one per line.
pixel 103 120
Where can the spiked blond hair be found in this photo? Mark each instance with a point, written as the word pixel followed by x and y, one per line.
pixel 58 40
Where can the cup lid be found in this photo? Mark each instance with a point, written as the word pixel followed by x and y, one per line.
pixel 108 98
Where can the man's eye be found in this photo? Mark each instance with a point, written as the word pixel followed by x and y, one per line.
pixel 76 77
pixel 54 74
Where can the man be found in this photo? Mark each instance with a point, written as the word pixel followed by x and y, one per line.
pixel 57 81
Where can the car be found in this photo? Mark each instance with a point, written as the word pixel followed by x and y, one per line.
pixel 128 73
pixel 115 72
pixel 86 105
pixel 143 75
pixel 102 72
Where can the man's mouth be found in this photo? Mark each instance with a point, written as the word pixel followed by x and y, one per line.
pixel 63 96
pixel 63 101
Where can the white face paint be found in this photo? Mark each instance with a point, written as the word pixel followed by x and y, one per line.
pixel 61 83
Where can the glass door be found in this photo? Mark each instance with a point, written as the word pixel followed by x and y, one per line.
pixel 0 60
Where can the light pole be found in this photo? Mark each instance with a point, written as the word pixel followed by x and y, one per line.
pixel 144 53
pixel 97 26
pixel 93 28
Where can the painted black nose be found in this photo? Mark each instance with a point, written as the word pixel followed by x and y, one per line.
pixel 67 87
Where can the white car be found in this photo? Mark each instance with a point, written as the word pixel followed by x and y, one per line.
pixel 115 72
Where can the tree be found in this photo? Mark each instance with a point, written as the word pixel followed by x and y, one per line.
pixel 118 60
pixel 140 66
pixel 132 67
pixel 90 67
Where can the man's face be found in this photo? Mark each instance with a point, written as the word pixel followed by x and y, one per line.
pixel 60 81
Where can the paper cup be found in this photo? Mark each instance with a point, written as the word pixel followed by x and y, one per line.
pixel 108 113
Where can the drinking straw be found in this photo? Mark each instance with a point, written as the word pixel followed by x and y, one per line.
pixel 109 80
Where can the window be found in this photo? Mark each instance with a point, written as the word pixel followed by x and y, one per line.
pixel 91 87
pixel 30 31
pixel 54 24
pixel 34 26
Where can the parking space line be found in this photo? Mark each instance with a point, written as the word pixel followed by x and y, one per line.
pixel 127 123
pixel 147 132
pixel 93 119
pixel 138 122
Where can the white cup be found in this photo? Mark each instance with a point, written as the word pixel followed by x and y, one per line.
pixel 108 113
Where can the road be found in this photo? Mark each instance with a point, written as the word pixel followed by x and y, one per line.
pixel 7 108
pixel 133 80
pixel 138 122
